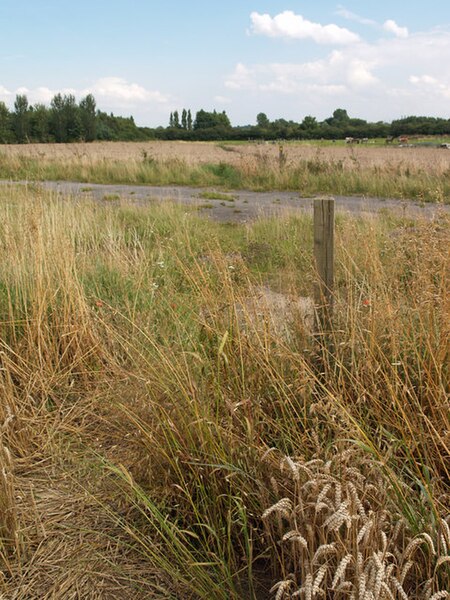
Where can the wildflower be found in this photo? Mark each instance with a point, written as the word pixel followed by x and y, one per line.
pixel 366 302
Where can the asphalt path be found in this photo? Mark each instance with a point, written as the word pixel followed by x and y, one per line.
pixel 234 206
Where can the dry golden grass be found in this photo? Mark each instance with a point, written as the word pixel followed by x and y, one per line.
pixel 427 159
pixel 141 443
pixel 416 173
pixel 69 545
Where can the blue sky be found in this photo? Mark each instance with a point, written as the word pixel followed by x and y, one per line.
pixel 380 60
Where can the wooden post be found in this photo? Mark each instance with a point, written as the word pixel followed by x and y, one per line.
pixel 324 257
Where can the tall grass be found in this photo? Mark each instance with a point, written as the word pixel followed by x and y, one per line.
pixel 142 348
pixel 346 174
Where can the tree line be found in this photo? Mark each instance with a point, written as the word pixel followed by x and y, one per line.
pixel 65 120
pixel 217 126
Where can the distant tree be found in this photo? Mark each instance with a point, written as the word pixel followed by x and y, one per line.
pixel 40 123
pixel 202 119
pixel 171 120
pixel 340 118
pixel 176 119
pixel 110 127
pixel 222 119
pixel 340 115
pixel 184 119
pixel 189 120
pixel 6 134
pixel 88 118
pixel 309 122
pixel 357 122
pixel 207 120
pixel 309 127
pixel 57 119
pixel 285 129
pixel 72 118
pixel 21 118
pixel 419 125
pixel 65 121
pixel 262 120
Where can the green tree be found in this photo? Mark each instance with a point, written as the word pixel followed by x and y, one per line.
pixel 189 120
pixel 176 119
pixel 340 118
pixel 262 120
pixel 57 119
pixel 209 120
pixel 184 119
pixel 309 122
pixel 72 118
pixel 309 128
pixel 6 135
pixel 65 123
pixel 40 123
pixel 21 118
pixel 88 118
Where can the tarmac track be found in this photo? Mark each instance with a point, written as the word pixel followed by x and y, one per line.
pixel 239 206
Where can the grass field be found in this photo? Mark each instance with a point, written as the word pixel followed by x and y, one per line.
pixel 170 427
pixel 418 173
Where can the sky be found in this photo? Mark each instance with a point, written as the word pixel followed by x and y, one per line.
pixel 378 59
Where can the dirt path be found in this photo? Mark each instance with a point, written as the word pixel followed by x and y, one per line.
pixel 237 206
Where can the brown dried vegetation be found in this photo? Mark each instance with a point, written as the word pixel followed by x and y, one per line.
pixel 148 452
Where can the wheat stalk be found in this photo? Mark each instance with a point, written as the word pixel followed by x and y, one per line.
pixel 283 507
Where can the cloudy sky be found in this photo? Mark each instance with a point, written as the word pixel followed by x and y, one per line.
pixel 288 58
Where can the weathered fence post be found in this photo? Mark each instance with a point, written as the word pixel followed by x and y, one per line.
pixel 324 257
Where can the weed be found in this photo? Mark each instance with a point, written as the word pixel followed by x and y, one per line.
pixel 213 195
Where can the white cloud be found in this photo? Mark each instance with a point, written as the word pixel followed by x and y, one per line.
pixel 222 99
pixel 43 94
pixel 351 16
pixel 359 74
pixel 117 88
pixel 426 85
pixel 392 27
pixel 4 93
pixel 423 79
pixel 241 78
pixel 110 92
pixel 338 73
pixel 289 25
pixel 385 79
